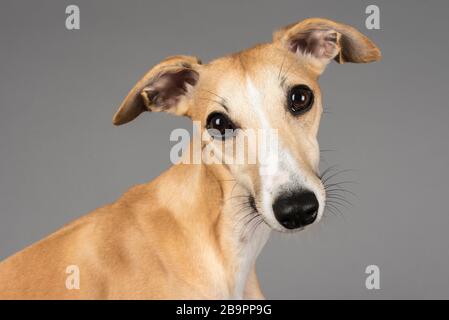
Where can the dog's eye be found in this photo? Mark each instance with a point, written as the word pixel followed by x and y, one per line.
pixel 300 99
pixel 220 126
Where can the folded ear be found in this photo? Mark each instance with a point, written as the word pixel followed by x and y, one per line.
pixel 323 40
pixel 162 88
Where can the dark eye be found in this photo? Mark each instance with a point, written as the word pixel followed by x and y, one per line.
pixel 220 126
pixel 300 99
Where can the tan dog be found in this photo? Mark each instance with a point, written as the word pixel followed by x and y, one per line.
pixel 196 231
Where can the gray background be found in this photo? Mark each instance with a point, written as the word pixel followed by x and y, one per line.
pixel 61 157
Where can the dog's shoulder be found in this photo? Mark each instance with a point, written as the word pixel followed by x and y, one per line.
pixel 108 240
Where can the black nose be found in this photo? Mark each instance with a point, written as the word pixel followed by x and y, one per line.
pixel 296 210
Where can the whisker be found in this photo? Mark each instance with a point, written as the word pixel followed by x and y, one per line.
pixel 251 226
pixel 282 65
pixel 286 72
pixel 336 203
pixel 215 101
pixel 336 174
pixel 256 226
pixel 334 197
pixel 340 183
pixel 331 209
pixel 335 191
pixel 223 99
pixel 327 171
pixel 333 206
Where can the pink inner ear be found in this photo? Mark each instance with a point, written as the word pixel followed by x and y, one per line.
pixel 166 89
pixel 321 44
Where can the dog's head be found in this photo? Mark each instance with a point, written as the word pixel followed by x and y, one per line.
pixel 271 88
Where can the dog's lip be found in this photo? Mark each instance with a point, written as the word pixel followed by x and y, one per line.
pixel 259 212
pixel 293 230
pixel 280 228
pixel 285 230
pixel 252 203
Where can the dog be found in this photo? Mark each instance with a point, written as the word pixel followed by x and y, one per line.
pixel 181 236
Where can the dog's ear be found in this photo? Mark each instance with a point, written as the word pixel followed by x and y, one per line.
pixel 322 40
pixel 165 87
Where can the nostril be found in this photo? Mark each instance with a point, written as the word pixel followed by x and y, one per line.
pixel 309 203
pixel 295 210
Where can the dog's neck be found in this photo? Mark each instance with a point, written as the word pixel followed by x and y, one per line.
pixel 208 203
pixel 242 227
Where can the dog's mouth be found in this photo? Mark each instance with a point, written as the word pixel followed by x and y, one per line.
pixel 252 220
pixel 252 203
pixel 257 215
